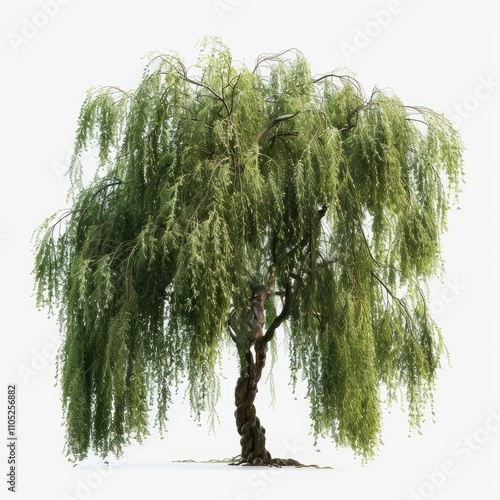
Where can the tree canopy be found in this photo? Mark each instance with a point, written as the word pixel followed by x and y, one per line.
pixel 214 180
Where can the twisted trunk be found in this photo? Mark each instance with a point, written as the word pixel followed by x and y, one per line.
pixel 250 330
pixel 247 333
pixel 253 434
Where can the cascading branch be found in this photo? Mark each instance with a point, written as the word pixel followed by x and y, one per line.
pixel 227 202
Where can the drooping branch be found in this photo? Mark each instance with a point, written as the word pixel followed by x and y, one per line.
pixel 342 78
pixel 103 188
pixel 272 58
pixel 355 112
pixel 183 73
pixel 275 122
pixel 400 303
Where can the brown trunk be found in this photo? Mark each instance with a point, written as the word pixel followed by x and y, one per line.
pixel 253 438
pixel 247 332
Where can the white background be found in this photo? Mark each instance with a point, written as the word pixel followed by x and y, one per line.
pixel 442 54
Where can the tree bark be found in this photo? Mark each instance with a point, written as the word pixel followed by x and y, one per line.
pixel 248 333
pixel 253 439
pixel 253 434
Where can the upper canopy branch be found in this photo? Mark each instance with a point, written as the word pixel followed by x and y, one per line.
pixel 275 122
pixel 355 112
pixel 273 58
pixel 183 73
pixel 351 80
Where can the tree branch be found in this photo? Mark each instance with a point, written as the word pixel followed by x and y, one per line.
pixel 274 123
pixel 355 112
pixel 401 304
pixel 281 317
pixel 184 75
pixel 263 58
pixel 94 196
pixel 350 79
pixel 233 329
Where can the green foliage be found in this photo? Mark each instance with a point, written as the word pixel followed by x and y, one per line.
pixel 207 181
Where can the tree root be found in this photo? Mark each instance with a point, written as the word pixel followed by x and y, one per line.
pixel 277 462
pixel 257 462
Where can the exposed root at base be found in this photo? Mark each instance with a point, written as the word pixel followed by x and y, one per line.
pixel 277 462
pixel 257 462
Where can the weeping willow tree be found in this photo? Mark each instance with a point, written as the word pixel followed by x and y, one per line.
pixel 228 202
